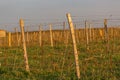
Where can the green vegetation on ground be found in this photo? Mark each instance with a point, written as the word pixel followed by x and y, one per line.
pixel 57 63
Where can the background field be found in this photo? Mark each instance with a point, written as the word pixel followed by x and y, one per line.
pixel 98 59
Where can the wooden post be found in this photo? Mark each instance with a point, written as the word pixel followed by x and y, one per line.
pixel 93 34
pixel 101 33
pixel 19 39
pixel 90 32
pixel 105 28
pixel 74 44
pixel 40 35
pixel 24 45
pixel 51 36
pixel 86 34
pixel 113 39
pixel 64 35
pixel 27 36
pixel 9 39
pixel 75 30
pixel 34 37
pixel 64 26
pixel 67 38
pixel 17 36
pixel 106 35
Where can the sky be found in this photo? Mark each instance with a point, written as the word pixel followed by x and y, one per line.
pixel 51 10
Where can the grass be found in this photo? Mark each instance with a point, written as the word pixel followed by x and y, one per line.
pixel 57 63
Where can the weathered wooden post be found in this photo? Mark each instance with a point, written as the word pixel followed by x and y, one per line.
pixel 74 44
pixel 2 37
pixel 9 39
pixel 64 26
pixel 75 30
pixel 105 28
pixel 93 34
pixel 40 35
pixel 64 35
pixel 106 35
pixel 87 36
pixel 90 32
pixel 101 33
pixel 16 32
pixel 51 36
pixel 27 36
pixel 24 45
pixel 113 39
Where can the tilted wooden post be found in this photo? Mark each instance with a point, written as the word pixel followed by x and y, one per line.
pixel 74 44
pixel 106 35
pixel 51 36
pixel 9 39
pixel 40 35
pixel 24 45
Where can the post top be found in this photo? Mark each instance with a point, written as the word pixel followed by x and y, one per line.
pixel 68 14
pixel 21 23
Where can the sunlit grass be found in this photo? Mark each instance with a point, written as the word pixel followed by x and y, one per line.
pixel 57 63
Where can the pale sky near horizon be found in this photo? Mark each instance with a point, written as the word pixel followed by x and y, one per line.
pixel 43 10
